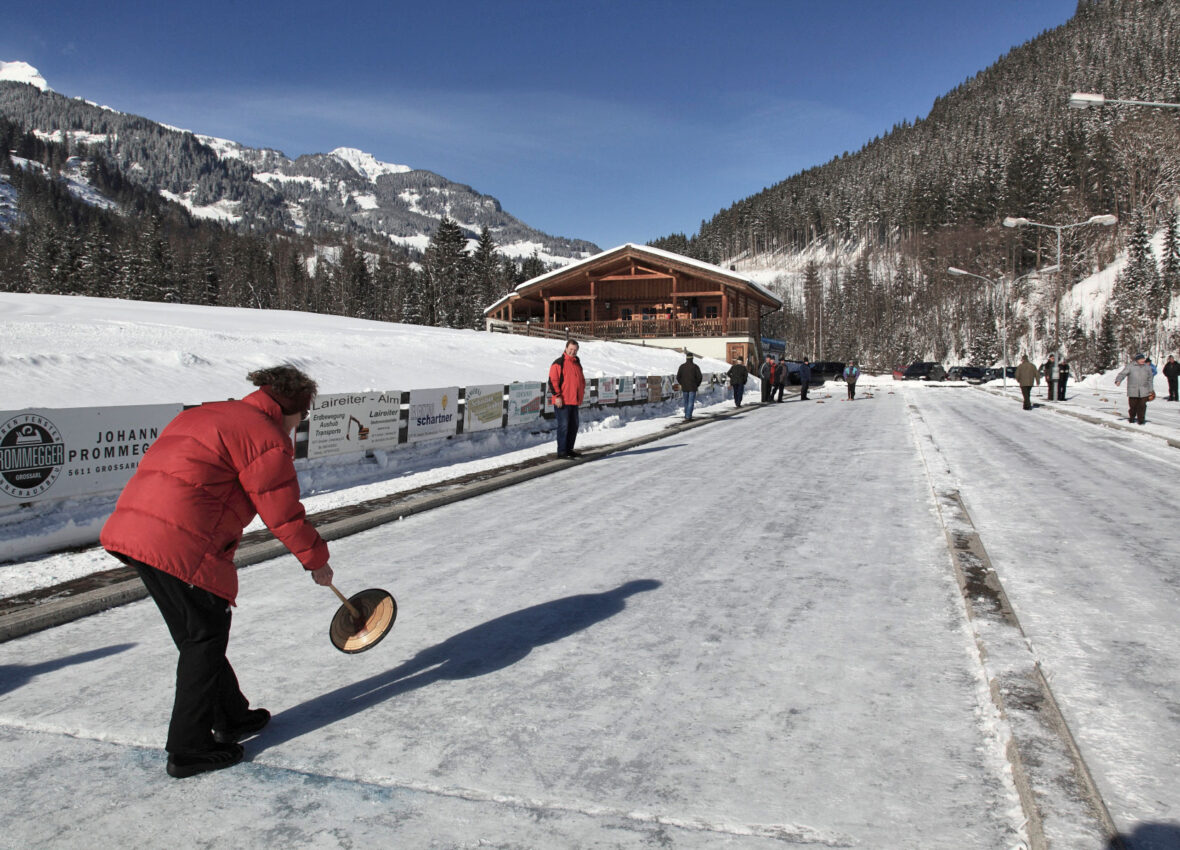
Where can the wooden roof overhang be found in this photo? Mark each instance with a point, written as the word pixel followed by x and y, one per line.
pixel 600 277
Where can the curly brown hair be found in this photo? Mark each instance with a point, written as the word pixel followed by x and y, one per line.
pixel 292 388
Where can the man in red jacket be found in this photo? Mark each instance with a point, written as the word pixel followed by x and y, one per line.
pixel 567 388
pixel 178 522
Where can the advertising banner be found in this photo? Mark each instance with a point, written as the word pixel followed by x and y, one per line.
pixel 608 390
pixel 434 414
pixel 525 402
pixel 655 388
pixel 353 422
pixel 640 388
pixel 626 389
pixel 483 408
pixel 60 453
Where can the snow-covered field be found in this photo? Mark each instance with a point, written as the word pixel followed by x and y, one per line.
pixel 61 351
pixel 745 635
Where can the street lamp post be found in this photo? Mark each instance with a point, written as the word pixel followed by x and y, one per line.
pixel 1020 221
pixel 1004 297
pixel 1084 100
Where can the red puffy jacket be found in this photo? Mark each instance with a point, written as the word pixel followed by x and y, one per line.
pixel 201 483
pixel 566 380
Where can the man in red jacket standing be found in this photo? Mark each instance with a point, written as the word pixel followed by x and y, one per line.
pixel 567 388
pixel 178 522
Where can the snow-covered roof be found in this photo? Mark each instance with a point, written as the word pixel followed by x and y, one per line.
pixel 630 248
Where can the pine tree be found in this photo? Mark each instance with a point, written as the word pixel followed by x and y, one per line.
pixel 487 280
pixel 1170 264
pixel 1106 348
pixel 813 306
pixel 1136 290
pixel 446 272
pixel 353 284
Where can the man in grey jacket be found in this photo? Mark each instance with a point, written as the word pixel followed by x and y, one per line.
pixel 1139 388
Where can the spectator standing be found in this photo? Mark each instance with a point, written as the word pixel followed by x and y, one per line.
pixel 1026 376
pixel 1139 389
pixel 851 373
pixel 1051 373
pixel 780 379
pixel 689 378
pixel 567 388
pixel 1172 372
pixel 738 375
pixel 178 522
pixel 804 379
pixel 767 376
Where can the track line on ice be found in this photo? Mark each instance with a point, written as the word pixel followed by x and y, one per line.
pixel 1062 804
pixel 796 834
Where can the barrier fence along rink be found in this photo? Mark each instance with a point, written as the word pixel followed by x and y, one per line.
pixel 48 455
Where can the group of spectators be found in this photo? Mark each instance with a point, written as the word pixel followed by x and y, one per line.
pixel 1139 374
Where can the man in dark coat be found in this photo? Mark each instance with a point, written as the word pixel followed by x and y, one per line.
pixel 738 375
pixel 767 376
pixel 689 378
pixel 804 379
pixel 1172 372
pixel 1050 373
pixel 1062 379
pixel 780 381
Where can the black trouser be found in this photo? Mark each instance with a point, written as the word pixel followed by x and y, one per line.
pixel 1061 388
pixel 803 387
pixel 1172 394
pixel 1052 385
pixel 207 692
pixel 767 389
pixel 1027 393
pixel 777 388
pixel 851 390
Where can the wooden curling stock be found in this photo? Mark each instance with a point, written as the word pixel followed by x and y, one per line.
pixel 356 615
pixel 363 620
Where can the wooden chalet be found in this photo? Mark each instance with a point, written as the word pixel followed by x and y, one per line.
pixel 642 294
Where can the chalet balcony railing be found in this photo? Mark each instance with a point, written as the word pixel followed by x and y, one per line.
pixel 632 328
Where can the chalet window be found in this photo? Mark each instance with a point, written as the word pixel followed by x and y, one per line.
pixel 711 311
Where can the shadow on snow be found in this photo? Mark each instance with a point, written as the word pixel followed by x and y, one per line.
pixel 484 649
pixel 13 676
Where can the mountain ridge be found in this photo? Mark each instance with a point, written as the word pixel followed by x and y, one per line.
pixel 344 192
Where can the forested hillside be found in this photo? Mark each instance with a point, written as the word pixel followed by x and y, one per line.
pixel 860 246
pixel 76 224
pixel 111 205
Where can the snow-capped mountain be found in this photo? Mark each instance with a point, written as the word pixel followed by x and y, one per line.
pixel 344 192
pixel 23 72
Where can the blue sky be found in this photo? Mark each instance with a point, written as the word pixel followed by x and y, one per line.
pixel 612 121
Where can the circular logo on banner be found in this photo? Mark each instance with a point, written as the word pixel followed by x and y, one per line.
pixel 31 455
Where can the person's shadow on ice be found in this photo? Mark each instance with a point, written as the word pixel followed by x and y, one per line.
pixel 488 647
pixel 13 676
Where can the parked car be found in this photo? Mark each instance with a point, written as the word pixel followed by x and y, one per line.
pixel 970 374
pixel 924 370
pixel 828 370
pixel 793 374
